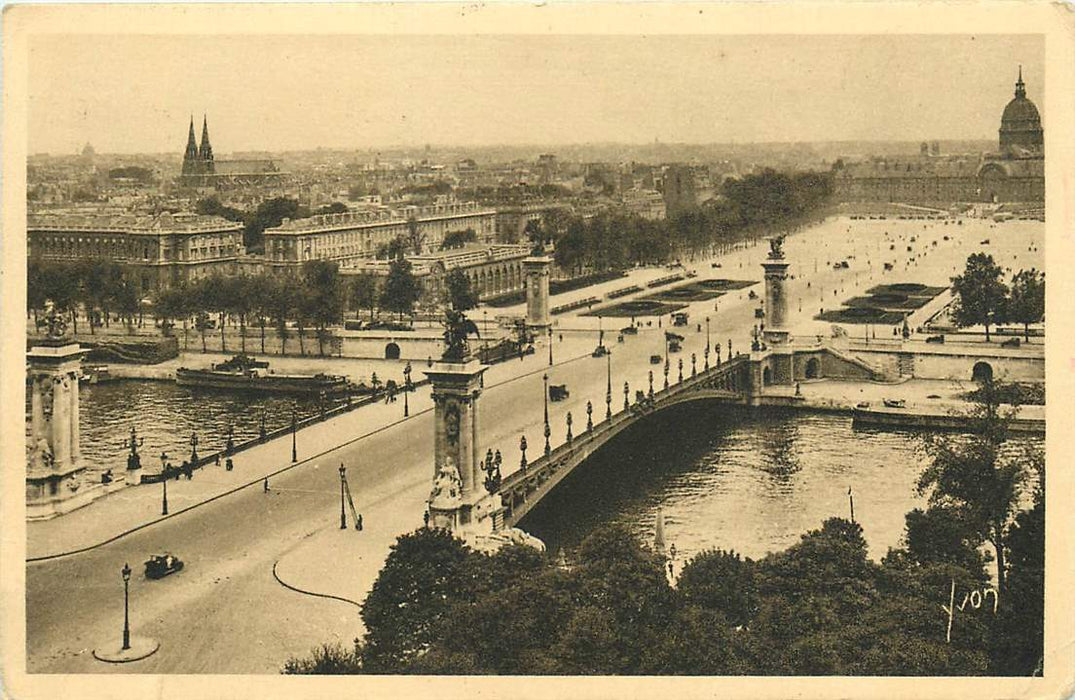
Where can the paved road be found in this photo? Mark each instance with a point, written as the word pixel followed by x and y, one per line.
pixel 225 612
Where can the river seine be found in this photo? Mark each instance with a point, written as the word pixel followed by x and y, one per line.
pixel 753 483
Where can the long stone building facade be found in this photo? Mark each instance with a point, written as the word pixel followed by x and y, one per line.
pixel 353 236
pixel 158 251
pixel 1015 173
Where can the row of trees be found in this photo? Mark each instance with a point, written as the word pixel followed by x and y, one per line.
pixel 97 287
pixel 747 207
pixel 982 297
pixel 820 607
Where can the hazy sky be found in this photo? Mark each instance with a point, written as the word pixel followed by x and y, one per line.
pixel 136 93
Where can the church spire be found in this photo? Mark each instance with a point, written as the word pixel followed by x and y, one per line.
pixel 190 156
pixel 1020 87
pixel 205 152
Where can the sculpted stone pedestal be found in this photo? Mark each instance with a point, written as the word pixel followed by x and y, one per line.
pixel 537 291
pixel 54 470
pixel 458 501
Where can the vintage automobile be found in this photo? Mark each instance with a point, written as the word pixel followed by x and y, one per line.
pixel 558 392
pixel 674 345
pixel 935 339
pixel 160 565
pixel 894 403
pixel 680 319
pixel 655 359
pixel 759 312
pixel 629 330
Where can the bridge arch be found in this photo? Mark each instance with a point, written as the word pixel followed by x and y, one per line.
pixel 982 372
pixel 391 351
pixel 813 368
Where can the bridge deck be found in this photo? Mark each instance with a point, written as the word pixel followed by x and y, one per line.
pixel 521 490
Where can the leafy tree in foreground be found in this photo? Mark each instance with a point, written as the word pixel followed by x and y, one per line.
pixel 980 293
pixel 977 479
pixel 1026 300
pixel 401 290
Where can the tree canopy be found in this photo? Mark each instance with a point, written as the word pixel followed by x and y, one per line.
pixel 980 293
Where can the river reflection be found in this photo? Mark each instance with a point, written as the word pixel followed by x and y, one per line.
pixel 737 480
pixel 166 414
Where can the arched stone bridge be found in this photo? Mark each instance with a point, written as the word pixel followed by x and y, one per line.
pixel 521 490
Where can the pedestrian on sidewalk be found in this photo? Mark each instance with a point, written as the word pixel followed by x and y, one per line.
pixel 265 485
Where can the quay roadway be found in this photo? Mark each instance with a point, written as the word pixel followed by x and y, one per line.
pixel 226 612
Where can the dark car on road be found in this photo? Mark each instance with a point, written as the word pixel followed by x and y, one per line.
pixel 160 565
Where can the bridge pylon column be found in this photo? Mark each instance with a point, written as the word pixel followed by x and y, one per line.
pixel 776 335
pixel 55 470
pixel 459 501
pixel 537 291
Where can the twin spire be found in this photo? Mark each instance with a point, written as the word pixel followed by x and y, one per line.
pixel 198 159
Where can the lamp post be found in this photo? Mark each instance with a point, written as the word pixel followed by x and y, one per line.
pixel 522 449
pixel 626 395
pixel 126 571
pixel 694 364
pixel 134 461
pixel 548 432
pixel 343 513
pixel 651 383
pixel 666 369
pixel 569 426
pixel 680 363
pixel 550 346
pixel 294 430
pixel 193 450
pixel 164 481
pixel 589 416
pixel 406 389
pixel 608 386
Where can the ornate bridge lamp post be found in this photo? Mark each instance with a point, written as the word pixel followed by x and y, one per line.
pixel 608 387
pixel 589 416
pixel 134 461
pixel 522 449
pixel 707 342
pixel 406 389
pixel 626 396
pixel 550 346
pixel 667 366
pixel 548 431
pixel 569 426
pixel 193 450
pixel 718 355
pixel 491 467
pixel 680 370
pixel 126 572
pixel 651 383
pixel 694 365
pixel 294 430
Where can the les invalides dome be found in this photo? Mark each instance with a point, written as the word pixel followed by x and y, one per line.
pixel 1020 126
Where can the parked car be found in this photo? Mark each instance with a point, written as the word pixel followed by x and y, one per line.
pixel 935 339
pixel 655 359
pixel 894 403
pixel 629 330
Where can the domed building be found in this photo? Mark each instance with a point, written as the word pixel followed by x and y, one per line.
pixel 1021 134
pixel 1013 174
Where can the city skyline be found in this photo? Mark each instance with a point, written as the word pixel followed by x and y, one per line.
pixel 630 90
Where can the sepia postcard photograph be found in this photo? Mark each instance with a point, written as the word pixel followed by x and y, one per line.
pixel 572 350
